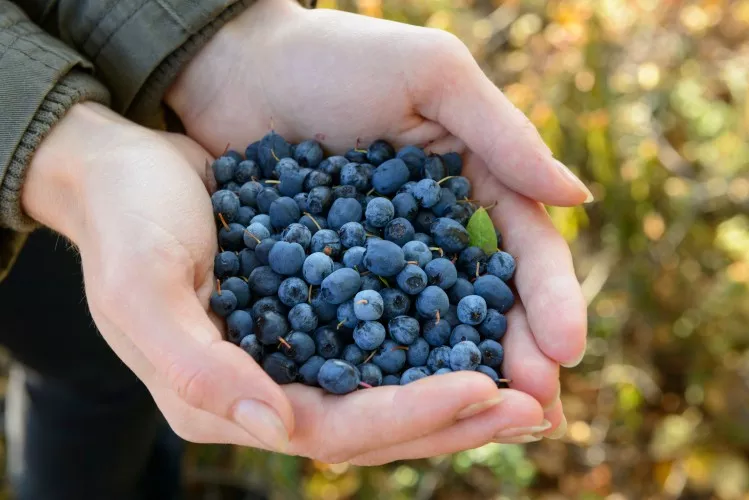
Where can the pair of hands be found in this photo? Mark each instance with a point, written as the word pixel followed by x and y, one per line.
pixel 134 202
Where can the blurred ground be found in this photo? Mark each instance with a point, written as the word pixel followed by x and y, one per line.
pixel 648 101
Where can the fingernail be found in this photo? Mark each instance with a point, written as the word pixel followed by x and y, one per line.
pixel 575 180
pixel 574 362
pixel 560 431
pixel 477 408
pixel 518 439
pixel 262 423
pixel 522 431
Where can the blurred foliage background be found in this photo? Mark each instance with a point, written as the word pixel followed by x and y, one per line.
pixel 648 101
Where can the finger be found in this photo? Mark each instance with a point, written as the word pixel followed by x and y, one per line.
pixel 191 424
pixel 337 428
pixel 518 410
pixel 459 96
pixel 165 320
pixel 544 276
pixel 530 370
pixel 555 415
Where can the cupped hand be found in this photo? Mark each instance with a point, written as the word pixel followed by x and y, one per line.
pixel 135 204
pixel 342 77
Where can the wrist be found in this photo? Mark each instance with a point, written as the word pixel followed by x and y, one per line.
pixel 227 55
pixel 53 192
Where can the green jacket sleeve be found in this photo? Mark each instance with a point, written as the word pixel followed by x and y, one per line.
pixel 40 79
pixel 137 46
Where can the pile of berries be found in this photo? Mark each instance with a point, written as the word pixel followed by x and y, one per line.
pixel 356 271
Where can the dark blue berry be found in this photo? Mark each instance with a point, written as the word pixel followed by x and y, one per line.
pixel 223 169
pixel 464 333
pixel 396 303
pixel 280 368
pixel 353 354
pixel 264 282
pixel 418 352
pixel 302 318
pixel 431 301
pixel 492 353
pixel 427 192
pixel 390 176
pixel 472 310
pixel 439 358
pixel 238 325
pixel 270 326
pixel 371 374
pixel 352 234
pixel 413 374
pixel 405 206
pixel 433 168
pixel 437 332
pixel 449 235
pixel 316 268
pixel 494 326
pixel 390 358
pixel 412 279
pixel 465 356
pixel 379 152
pixel 319 200
pixel 308 154
pixel 225 264
pixel 342 211
pixel 253 347
pixel 327 343
pixel 340 286
pixel 368 305
pixel 384 258
pixel 338 377
pixel 379 212
pixel 502 265
pixel 400 231
pixel 404 329
pixel 226 204
pixel 240 289
pixel 496 293
pixel 309 370
pixel 441 272
pixel 369 335
pixel 326 241
pixel 298 346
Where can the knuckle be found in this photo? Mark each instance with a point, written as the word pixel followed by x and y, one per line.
pixel 190 382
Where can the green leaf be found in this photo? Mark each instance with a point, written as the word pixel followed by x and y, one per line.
pixel 481 231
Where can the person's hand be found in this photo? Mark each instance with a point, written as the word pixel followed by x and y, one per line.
pixel 134 203
pixel 340 77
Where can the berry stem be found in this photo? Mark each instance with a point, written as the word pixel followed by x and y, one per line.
pixel 363 301
pixel 489 207
pixel 384 281
pixel 412 262
pixel 309 295
pixel 273 153
pixel 223 221
pixel 314 221
pixel 218 286
pixel 400 348
pixel 477 269
pixel 370 235
pixel 369 358
pixel 283 341
pixel 438 249
pixel 253 236
pixel 438 317
pixel 505 380
pixel 446 178
pixel 340 324
pixel 356 147
pixel 272 182
pixel 364 384
pixel 327 251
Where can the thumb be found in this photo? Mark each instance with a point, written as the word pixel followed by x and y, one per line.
pixel 171 328
pixel 463 100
